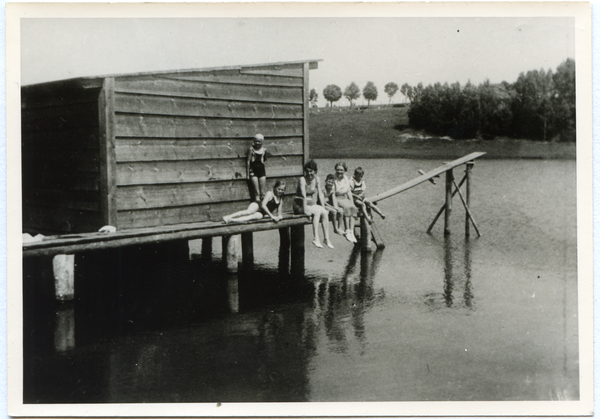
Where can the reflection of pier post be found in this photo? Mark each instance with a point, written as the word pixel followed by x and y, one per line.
pixel 233 293
pixel 468 293
pixel 64 330
pixel 453 280
pixel 448 271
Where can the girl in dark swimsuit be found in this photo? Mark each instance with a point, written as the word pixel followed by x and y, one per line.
pixel 271 204
pixel 255 167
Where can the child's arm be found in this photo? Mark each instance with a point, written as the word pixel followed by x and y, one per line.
pixel 264 207
pixel 320 196
pixel 334 199
pixel 279 208
pixel 303 194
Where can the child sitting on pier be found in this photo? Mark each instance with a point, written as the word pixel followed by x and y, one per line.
pixel 358 187
pixel 255 167
pixel 271 203
pixel 335 212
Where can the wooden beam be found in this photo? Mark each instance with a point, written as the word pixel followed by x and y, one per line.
pixel 432 173
pixel 376 236
pixel 306 113
pixel 443 207
pixel 108 169
pixel 365 235
pixel 448 210
pixel 469 215
pixel 230 252
pixel 468 176
pixel 75 243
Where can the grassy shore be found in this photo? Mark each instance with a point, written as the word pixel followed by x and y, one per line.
pixel 383 132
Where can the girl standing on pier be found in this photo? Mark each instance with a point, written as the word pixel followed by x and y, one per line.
pixel 307 199
pixel 343 194
pixel 271 203
pixel 255 167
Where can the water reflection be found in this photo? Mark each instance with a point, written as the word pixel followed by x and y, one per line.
pixel 340 304
pixel 457 282
pixel 457 290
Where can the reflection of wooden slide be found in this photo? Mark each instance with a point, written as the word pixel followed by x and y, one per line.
pixel 447 207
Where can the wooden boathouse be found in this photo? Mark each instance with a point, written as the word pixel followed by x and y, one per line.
pixel 138 151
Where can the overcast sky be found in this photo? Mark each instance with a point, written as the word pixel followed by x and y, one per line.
pixel 382 50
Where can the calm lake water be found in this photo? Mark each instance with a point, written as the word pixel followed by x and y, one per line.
pixel 429 318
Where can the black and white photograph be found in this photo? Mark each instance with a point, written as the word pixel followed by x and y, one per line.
pixel 300 209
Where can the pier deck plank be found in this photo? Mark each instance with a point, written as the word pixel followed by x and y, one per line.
pixel 75 243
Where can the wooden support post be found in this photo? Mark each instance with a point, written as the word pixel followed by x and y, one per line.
pixel 207 248
pixel 247 250
pixel 468 175
pixel 469 215
pixel 297 250
pixel 365 235
pixel 284 251
pixel 376 236
pixel 448 211
pixel 63 267
pixel 230 252
pixel 437 216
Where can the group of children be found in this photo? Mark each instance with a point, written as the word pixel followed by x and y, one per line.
pixel 339 199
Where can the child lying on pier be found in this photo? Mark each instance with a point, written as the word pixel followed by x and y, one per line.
pixel 358 187
pixel 271 203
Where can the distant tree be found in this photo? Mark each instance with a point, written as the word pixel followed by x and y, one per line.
pixel 352 92
pixel 332 93
pixel 495 108
pixel 370 92
pixel 564 100
pixel 407 91
pixel 391 88
pixel 313 96
pixel 532 108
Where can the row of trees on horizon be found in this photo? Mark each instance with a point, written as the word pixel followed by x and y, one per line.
pixel 539 105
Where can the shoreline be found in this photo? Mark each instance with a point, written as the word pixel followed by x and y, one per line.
pixel 385 133
pixel 447 149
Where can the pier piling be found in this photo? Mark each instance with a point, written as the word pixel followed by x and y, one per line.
pixel 230 252
pixel 297 250
pixel 448 212
pixel 247 250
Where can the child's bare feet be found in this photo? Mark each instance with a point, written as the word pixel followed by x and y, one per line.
pixel 328 243
pixel 317 243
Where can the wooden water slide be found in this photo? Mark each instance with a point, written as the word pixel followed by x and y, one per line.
pixel 450 182
pixel 425 177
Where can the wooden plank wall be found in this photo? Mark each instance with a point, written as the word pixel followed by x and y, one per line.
pixel 60 161
pixel 181 141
